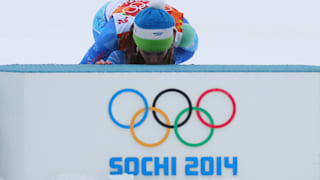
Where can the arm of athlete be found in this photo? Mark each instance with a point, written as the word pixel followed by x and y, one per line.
pixel 188 44
pixel 105 44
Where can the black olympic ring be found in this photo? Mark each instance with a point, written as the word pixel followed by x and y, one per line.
pixel 180 92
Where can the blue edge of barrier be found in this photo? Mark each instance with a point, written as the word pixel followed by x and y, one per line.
pixel 63 68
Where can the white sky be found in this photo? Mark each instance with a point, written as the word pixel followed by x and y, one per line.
pixel 230 31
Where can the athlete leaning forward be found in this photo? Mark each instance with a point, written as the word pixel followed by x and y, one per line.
pixel 141 32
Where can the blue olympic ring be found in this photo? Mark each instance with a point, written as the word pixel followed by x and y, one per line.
pixel 145 104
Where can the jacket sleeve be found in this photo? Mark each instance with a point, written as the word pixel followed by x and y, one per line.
pixel 188 44
pixel 105 44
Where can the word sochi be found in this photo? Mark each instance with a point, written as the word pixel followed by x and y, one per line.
pixel 193 166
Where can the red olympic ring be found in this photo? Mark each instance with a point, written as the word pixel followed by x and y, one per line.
pixel 233 105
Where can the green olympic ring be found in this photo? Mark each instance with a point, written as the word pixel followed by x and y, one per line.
pixel 176 127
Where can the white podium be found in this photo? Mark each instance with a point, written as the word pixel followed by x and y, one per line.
pixel 93 122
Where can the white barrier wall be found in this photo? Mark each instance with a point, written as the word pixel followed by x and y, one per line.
pixel 56 122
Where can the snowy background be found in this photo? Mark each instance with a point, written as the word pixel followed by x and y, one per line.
pixel 230 31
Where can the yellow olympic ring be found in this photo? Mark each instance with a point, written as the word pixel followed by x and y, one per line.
pixel 143 143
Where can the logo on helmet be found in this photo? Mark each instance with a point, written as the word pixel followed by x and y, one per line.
pixel 158 33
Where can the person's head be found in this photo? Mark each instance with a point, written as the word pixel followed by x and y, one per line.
pixel 153 34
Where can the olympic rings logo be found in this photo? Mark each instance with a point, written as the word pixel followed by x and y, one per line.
pixel 168 125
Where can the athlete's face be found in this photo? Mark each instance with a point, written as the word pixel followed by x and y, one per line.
pixel 153 57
